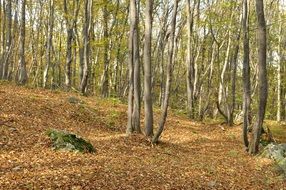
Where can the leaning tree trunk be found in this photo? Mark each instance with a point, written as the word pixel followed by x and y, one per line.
pixel 147 70
pixel 262 78
pixel 22 77
pixel 169 75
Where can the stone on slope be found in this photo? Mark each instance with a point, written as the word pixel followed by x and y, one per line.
pixel 70 142
pixel 276 152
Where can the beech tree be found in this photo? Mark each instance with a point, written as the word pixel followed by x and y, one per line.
pixel 170 65
pixel 246 75
pixel 86 49
pixel 133 124
pixel 22 73
pixel 148 105
pixel 262 75
pixel 8 45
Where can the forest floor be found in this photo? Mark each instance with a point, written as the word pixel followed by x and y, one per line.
pixel 192 155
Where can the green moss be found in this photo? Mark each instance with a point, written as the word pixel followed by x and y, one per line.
pixel 278 130
pixel 67 141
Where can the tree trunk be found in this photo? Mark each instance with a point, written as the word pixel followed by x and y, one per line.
pixel 69 25
pixel 263 81
pixel 136 56
pixel 246 75
pixel 86 51
pixel 190 65
pixel 49 42
pixel 148 105
pixel 8 45
pixel 233 81
pixel 279 91
pixel 133 124
pixel 105 78
pixel 170 64
pixel 22 75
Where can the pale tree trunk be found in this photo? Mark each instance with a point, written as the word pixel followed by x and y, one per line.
pixel 22 75
pixel 263 81
pixel 233 81
pixel 190 65
pixel 209 83
pixel 133 124
pixel 136 106
pixel 105 78
pixel 279 91
pixel 49 42
pixel 222 103
pixel 69 29
pixel 86 52
pixel 161 49
pixel 8 45
pixel 246 75
pixel 148 105
pixel 170 65
pixel 59 57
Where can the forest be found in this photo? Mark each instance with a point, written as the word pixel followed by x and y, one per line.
pixel 142 94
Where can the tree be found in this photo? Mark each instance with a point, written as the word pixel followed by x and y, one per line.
pixel 262 77
pixel 105 78
pixel 86 51
pixel 170 66
pixel 190 65
pixel 246 75
pixel 133 124
pixel 50 27
pixel 8 46
pixel 148 105
pixel 70 23
pixel 279 78
pixel 22 75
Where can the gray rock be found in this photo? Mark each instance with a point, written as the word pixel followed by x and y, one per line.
pixel 276 152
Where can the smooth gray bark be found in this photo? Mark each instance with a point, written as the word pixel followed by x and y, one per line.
pixel 148 105
pixel 22 75
pixel 133 124
pixel 86 51
pixel 49 42
pixel 246 75
pixel 262 78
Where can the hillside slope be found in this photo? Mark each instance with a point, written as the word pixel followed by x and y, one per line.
pixel 191 155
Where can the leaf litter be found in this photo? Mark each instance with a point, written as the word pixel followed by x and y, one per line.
pixel 191 155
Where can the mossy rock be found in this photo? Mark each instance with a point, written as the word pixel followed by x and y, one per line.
pixel 70 142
